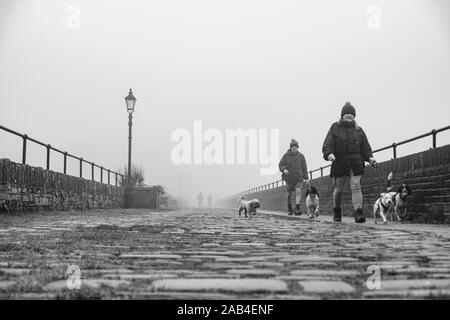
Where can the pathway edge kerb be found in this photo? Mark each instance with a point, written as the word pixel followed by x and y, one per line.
pixel 435 229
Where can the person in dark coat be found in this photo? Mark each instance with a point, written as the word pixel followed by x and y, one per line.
pixel 294 172
pixel 347 146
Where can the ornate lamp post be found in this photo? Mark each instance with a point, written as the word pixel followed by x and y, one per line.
pixel 130 101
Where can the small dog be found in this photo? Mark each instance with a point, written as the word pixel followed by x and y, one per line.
pixel 392 202
pixel 384 205
pixel 249 207
pixel 312 202
pixel 400 199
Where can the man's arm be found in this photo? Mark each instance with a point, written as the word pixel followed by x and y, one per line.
pixel 328 144
pixel 304 167
pixel 282 164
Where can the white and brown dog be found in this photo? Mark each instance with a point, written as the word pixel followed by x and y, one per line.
pixel 312 202
pixel 249 207
pixel 392 202
pixel 384 205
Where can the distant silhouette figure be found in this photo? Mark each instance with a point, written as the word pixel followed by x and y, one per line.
pixel 209 200
pixel 200 200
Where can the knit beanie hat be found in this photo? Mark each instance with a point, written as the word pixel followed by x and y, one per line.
pixel 348 109
pixel 293 143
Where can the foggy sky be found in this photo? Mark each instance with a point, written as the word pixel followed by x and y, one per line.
pixel 286 65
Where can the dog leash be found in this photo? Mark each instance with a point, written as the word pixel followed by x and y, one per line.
pixel 378 176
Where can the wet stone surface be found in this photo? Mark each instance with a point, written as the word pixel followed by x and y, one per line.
pixel 215 254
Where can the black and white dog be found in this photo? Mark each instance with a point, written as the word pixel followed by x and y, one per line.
pixel 392 202
pixel 400 199
pixel 312 202
pixel 249 207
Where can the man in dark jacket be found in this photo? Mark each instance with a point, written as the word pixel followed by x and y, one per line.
pixel 294 171
pixel 346 145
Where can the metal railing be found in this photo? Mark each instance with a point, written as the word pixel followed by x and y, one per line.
pixel 49 148
pixel 394 146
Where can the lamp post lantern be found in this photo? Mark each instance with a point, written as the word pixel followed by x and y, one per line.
pixel 130 101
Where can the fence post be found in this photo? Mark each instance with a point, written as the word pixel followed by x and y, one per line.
pixel 24 149
pixel 310 175
pixel 81 167
pixel 65 162
pixel 433 132
pixel 92 168
pixel 48 156
pixel 321 171
pixel 116 179
pixel 101 174
pixel 394 147
pixel 109 171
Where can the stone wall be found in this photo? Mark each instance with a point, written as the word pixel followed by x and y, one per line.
pixel 141 198
pixel 428 174
pixel 26 188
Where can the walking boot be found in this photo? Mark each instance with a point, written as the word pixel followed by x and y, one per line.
pixel 337 214
pixel 359 216
pixel 297 212
pixel 290 211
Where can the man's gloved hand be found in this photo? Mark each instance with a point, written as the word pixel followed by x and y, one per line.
pixel 372 161
pixel 331 157
pixel 285 171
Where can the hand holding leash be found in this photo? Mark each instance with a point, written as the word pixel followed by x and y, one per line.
pixel 331 157
pixel 373 162
pixel 285 171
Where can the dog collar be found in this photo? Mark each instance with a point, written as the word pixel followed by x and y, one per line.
pixel 395 197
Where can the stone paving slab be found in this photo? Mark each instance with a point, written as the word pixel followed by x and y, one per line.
pixel 315 272
pixel 415 283
pixel 6 284
pixel 95 283
pixel 139 276
pixel 233 285
pixel 150 256
pixel 326 286
pixel 411 294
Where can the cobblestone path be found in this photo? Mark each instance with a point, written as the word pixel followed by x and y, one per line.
pixel 214 254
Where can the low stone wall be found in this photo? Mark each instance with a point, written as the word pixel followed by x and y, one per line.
pixel 428 174
pixel 27 188
pixel 141 198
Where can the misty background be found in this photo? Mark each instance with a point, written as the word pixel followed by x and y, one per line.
pixel 231 64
